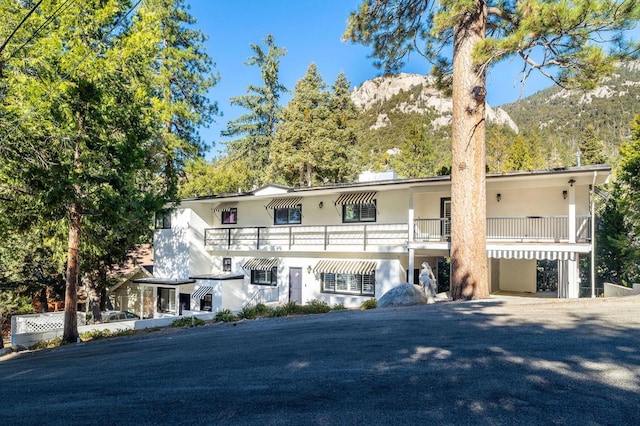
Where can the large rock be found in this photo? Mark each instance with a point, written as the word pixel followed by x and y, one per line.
pixel 403 295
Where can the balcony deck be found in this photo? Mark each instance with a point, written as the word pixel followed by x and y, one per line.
pixel 375 237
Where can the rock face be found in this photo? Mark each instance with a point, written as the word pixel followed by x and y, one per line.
pixel 403 295
pixel 381 89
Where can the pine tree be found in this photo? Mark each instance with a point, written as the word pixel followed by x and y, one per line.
pixel 591 148
pixel 258 126
pixel 105 113
pixel 303 132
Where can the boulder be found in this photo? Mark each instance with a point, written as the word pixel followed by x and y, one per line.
pixel 403 295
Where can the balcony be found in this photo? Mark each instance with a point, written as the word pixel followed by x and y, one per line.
pixel 390 237
pixel 541 229
pixel 357 237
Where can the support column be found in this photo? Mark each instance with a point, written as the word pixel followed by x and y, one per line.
pixel 411 237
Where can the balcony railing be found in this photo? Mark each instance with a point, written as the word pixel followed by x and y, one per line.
pixel 359 237
pixel 353 237
pixel 530 228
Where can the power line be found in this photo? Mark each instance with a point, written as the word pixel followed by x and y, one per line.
pixel 75 67
pixel 33 9
pixel 49 19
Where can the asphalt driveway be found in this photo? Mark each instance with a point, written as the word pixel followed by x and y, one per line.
pixel 503 361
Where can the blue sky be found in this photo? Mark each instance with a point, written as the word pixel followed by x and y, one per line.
pixel 310 31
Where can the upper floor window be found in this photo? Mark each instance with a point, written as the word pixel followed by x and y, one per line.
pixel 287 215
pixel 226 264
pixel 163 219
pixel 359 212
pixel 230 216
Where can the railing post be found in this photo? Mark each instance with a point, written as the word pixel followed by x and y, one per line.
pixel 364 233
pixel 229 238
pixel 257 238
pixel 326 237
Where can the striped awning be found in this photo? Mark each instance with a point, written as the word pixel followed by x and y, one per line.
pixel 531 254
pixel 201 292
pixel 225 207
pixel 260 264
pixel 356 198
pixel 283 203
pixel 345 266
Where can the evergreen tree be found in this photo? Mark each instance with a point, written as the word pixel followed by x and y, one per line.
pixel 105 112
pixel 338 158
pixel 303 132
pixel 591 148
pixel 258 126
pixel 223 176
pixel 546 34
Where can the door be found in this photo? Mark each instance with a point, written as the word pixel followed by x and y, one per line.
pixel 445 217
pixel 295 285
pixel 185 302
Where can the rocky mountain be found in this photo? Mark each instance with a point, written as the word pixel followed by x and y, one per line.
pixel 560 114
pixel 404 116
pixel 426 99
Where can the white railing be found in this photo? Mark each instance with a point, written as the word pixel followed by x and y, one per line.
pixel 323 237
pixel 529 228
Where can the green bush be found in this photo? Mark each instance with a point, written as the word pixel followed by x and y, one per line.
pixel 225 315
pixel 279 311
pixel 187 322
pixel 369 304
pixel 248 312
pixel 316 307
pixel 338 307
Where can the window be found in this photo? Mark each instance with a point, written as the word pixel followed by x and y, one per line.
pixel 359 212
pixel 288 215
pixel 205 303
pixel 230 216
pixel 163 219
pixel 166 300
pixel 360 284
pixel 226 264
pixel 264 277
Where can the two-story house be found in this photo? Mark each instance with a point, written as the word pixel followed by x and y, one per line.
pixel 345 243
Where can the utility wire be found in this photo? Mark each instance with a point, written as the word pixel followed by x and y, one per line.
pixel 33 9
pixel 66 76
pixel 49 19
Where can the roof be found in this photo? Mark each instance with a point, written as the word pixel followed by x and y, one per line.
pixel 408 182
pixel 140 257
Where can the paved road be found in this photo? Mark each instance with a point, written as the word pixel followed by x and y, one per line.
pixel 504 361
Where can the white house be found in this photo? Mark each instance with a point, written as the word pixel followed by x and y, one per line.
pixel 345 243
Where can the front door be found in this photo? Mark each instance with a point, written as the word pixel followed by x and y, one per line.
pixel 295 285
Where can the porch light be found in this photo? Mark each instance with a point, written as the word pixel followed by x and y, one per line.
pixel 571 182
pixel 309 269
pixel 499 197
pixel 564 194
pixel 320 204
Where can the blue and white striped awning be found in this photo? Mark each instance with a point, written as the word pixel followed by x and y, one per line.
pixel 201 292
pixel 283 203
pixel 356 198
pixel 260 264
pixel 362 267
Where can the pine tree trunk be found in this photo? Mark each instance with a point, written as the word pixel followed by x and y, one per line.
pixel 468 193
pixel 71 293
